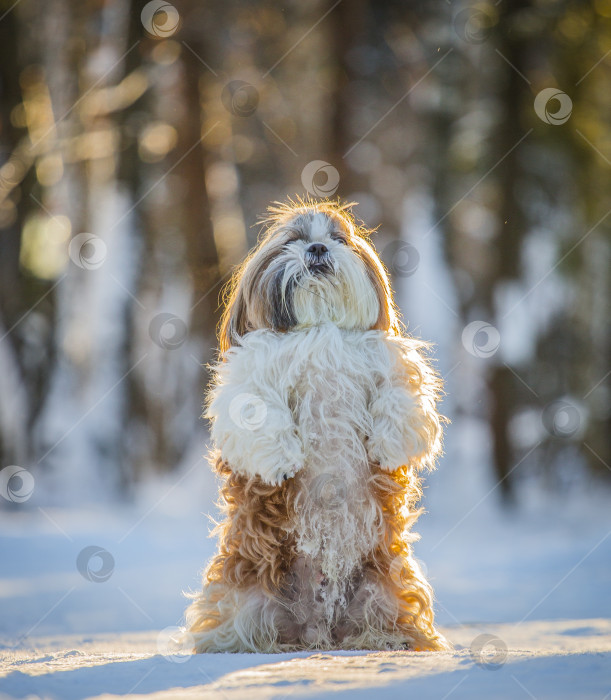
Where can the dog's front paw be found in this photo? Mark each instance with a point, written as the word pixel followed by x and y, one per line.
pixel 386 453
pixel 270 455
pixel 284 473
pixel 286 463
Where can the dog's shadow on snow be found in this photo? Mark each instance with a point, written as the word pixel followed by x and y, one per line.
pixel 238 676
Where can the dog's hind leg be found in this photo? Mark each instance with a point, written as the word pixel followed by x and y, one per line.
pixel 238 608
pixel 384 615
pixel 222 619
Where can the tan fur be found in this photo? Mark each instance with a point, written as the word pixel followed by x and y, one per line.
pixel 254 550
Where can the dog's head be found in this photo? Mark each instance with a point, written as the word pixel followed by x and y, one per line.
pixel 312 265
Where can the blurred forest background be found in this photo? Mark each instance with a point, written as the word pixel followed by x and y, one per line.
pixel 139 142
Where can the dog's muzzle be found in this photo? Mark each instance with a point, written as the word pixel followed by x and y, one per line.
pixel 318 259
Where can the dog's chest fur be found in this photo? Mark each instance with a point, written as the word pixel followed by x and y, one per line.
pixel 332 374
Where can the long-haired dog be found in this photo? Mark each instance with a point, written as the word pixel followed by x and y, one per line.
pixel 323 415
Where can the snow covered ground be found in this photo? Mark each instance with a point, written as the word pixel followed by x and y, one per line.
pixel 543 660
pixel 536 580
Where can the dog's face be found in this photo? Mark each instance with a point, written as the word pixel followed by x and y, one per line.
pixel 312 266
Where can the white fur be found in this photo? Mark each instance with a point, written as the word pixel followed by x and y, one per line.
pixel 324 390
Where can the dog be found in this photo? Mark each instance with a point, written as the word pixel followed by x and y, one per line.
pixel 323 415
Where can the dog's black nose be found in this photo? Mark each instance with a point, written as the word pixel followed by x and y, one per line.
pixel 317 249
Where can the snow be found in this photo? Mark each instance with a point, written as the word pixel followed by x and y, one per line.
pixel 536 579
pixel 568 661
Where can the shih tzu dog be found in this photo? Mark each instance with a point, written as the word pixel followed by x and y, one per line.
pixel 323 416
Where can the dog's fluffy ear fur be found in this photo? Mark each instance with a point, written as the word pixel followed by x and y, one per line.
pixel 387 318
pixel 233 321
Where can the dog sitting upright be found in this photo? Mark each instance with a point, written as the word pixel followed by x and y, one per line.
pixel 323 415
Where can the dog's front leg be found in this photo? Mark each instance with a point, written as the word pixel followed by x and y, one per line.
pixel 405 423
pixel 252 423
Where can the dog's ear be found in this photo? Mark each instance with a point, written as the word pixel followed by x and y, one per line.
pixel 233 321
pixel 387 315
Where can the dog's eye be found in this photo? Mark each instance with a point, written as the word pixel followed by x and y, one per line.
pixel 339 237
pixel 295 236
